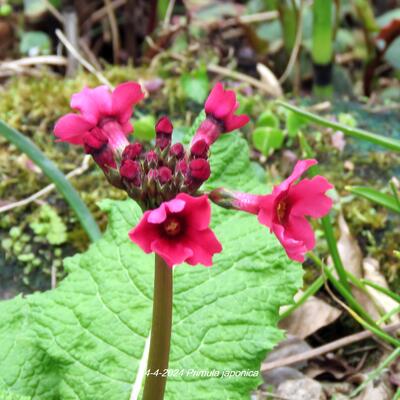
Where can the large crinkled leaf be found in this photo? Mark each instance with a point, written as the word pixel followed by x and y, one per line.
pixel 85 339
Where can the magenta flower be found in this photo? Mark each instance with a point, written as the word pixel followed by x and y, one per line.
pixel 284 211
pixel 100 110
pixel 178 231
pixel 220 109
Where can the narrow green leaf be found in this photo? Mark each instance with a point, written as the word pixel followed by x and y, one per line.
pixel 387 142
pixel 377 197
pixel 65 188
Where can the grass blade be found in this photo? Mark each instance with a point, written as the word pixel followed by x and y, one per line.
pixel 387 142
pixel 64 187
pixel 375 196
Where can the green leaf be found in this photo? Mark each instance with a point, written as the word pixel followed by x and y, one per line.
pixel 85 339
pixel 35 43
pixel 268 119
pixel 383 199
pixel 145 128
pixel 196 85
pixel 294 123
pixel 266 139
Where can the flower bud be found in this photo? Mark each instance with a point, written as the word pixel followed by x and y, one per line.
pixel 199 149
pixel 177 151
pixel 96 144
pixel 130 170
pixel 182 167
pixel 164 175
pixel 132 151
pixel 152 159
pixel 163 132
pixel 199 169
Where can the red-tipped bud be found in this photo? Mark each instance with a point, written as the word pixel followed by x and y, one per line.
pixel 130 170
pixel 164 125
pixel 152 158
pixel 94 140
pixel 199 169
pixel 96 144
pixel 132 151
pixel 177 150
pixel 199 149
pixel 163 132
pixel 182 167
pixel 164 175
pixel 152 174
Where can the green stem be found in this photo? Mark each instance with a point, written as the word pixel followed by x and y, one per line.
pixel 310 291
pixel 157 366
pixel 322 48
pixel 62 184
pixel 382 289
pixel 387 142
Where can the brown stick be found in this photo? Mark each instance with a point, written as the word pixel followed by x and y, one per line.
pixel 324 349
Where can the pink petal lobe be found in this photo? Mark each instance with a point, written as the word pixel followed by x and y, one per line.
pixel 204 245
pixel 308 197
pixel 71 128
pixel 226 106
pixel 176 205
pixel 295 249
pixel 173 252
pixel 233 122
pixel 299 169
pixel 123 98
pixel 214 98
pixel 144 234
pixel 197 210
pixel 267 210
pixel 157 216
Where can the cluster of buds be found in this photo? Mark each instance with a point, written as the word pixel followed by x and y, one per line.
pixel 166 179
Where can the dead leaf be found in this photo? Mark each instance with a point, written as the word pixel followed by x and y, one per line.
pixel 301 389
pixel 290 346
pixel 373 273
pixel 270 80
pixel 381 391
pixel 352 259
pixel 313 315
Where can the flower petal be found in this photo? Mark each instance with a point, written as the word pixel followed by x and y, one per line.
pixel 92 103
pixel 308 197
pixel 173 252
pixel 144 234
pixel 214 98
pixel 71 128
pixel 124 97
pixel 204 245
pixel 233 122
pixel 197 211
pixel 158 215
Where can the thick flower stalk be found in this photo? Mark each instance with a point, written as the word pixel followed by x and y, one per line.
pixel 166 179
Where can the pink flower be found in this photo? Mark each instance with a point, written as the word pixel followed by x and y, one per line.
pixel 109 112
pixel 285 210
pixel 178 231
pixel 220 109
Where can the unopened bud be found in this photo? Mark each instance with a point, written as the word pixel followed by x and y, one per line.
pixel 130 171
pixel 164 175
pixel 132 151
pixel 199 149
pixel 94 140
pixel 182 167
pixel 96 144
pixel 163 132
pixel 199 169
pixel 152 158
pixel 177 151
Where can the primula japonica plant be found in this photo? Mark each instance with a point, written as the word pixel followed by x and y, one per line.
pixel 166 181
